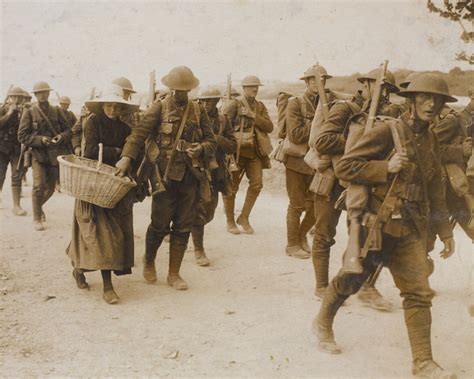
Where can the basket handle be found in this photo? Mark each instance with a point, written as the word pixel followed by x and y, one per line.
pixel 101 152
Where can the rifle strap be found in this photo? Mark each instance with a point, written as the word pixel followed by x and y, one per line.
pixel 176 140
pixel 51 127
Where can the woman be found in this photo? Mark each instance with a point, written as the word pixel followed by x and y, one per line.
pixel 102 239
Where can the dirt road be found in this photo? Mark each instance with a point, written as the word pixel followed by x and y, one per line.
pixel 248 314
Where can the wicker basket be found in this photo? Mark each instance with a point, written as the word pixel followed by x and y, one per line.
pixel 92 181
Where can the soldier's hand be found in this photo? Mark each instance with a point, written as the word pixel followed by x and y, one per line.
pixel 46 141
pixel 398 162
pixel 77 151
pixel 448 248
pixel 124 166
pixel 467 147
pixel 195 151
pixel 118 150
pixel 246 113
pixel 57 139
pixel 12 107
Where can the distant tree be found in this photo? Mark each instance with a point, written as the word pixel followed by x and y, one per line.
pixel 462 12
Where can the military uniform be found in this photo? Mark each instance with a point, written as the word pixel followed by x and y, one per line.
pixel 33 127
pixel 10 153
pixel 220 180
pixel 252 159
pixel 331 142
pixel 404 228
pixel 299 114
pixel 174 210
pixel 451 136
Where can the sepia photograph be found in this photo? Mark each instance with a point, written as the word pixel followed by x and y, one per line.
pixel 237 188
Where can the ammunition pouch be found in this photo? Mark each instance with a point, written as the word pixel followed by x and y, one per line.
pixel 248 139
pixel 323 183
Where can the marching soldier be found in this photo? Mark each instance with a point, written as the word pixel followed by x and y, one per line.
pixel 131 119
pixel 10 149
pixel 401 178
pixel 183 134
pixel 44 129
pixel 64 103
pixel 332 142
pixel 299 115
pixel 221 180
pixel 251 123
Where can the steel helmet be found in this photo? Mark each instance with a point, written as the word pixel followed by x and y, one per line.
pixel 64 100
pixel 234 92
pixel 26 95
pixel 16 91
pixel 124 83
pixel 180 78
pixel 428 83
pixel 250 81
pixel 209 93
pixel 41 86
pixel 389 79
pixel 310 72
pixel 408 79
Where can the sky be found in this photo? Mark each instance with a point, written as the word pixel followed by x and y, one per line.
pixel 77 45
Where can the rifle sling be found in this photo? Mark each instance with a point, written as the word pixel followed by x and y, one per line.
pixel 176 141
pixel 50 125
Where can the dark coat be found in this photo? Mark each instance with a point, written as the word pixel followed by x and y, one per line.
pixel 9 124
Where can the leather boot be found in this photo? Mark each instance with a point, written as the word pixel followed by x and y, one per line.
pixel 243 219
pixel 229 205
pixel 178 244
pixel 371 297
pixel 37 212
pixel 430 369
pixel 153 241
pixel 197 233
pixel 322 324
pixel 16 195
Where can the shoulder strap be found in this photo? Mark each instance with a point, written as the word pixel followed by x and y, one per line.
pixel 50 125
pixel 306 100
pixel 176 140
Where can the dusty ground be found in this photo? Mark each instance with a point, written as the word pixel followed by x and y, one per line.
pixel 249 314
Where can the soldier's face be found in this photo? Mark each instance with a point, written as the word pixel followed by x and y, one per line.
pixel 250 91
pixel 113 110
pixel 312 85
pixel 209 104
pixel 42 96
pixel 127 94
pixel 16 100
pixel 427 106
pixel 368 89
pixel 180 96
pixel 64 106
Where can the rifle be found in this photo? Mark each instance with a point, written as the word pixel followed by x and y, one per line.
pixel 229 87
pixel 92 94
pixel 351 262
pixel 152 88
pixel 321 92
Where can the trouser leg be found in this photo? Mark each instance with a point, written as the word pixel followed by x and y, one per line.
pixel 254 173
pixel 410 270
pixel 326 220
pixel 39 188
pixel 4 160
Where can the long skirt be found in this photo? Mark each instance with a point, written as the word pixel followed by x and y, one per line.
pixel 102 239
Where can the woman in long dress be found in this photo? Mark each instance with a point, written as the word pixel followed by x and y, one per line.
pixel 102 239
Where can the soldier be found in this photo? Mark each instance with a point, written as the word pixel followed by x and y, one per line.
pixel 456 150
pixel 251 123
pixel 44 129
pixel 131 119
pixel 414 168
pixel 299 115
pixel 10 148
pixel 332 142
pixel 221 180
pixel 185 139
pixel 64 103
